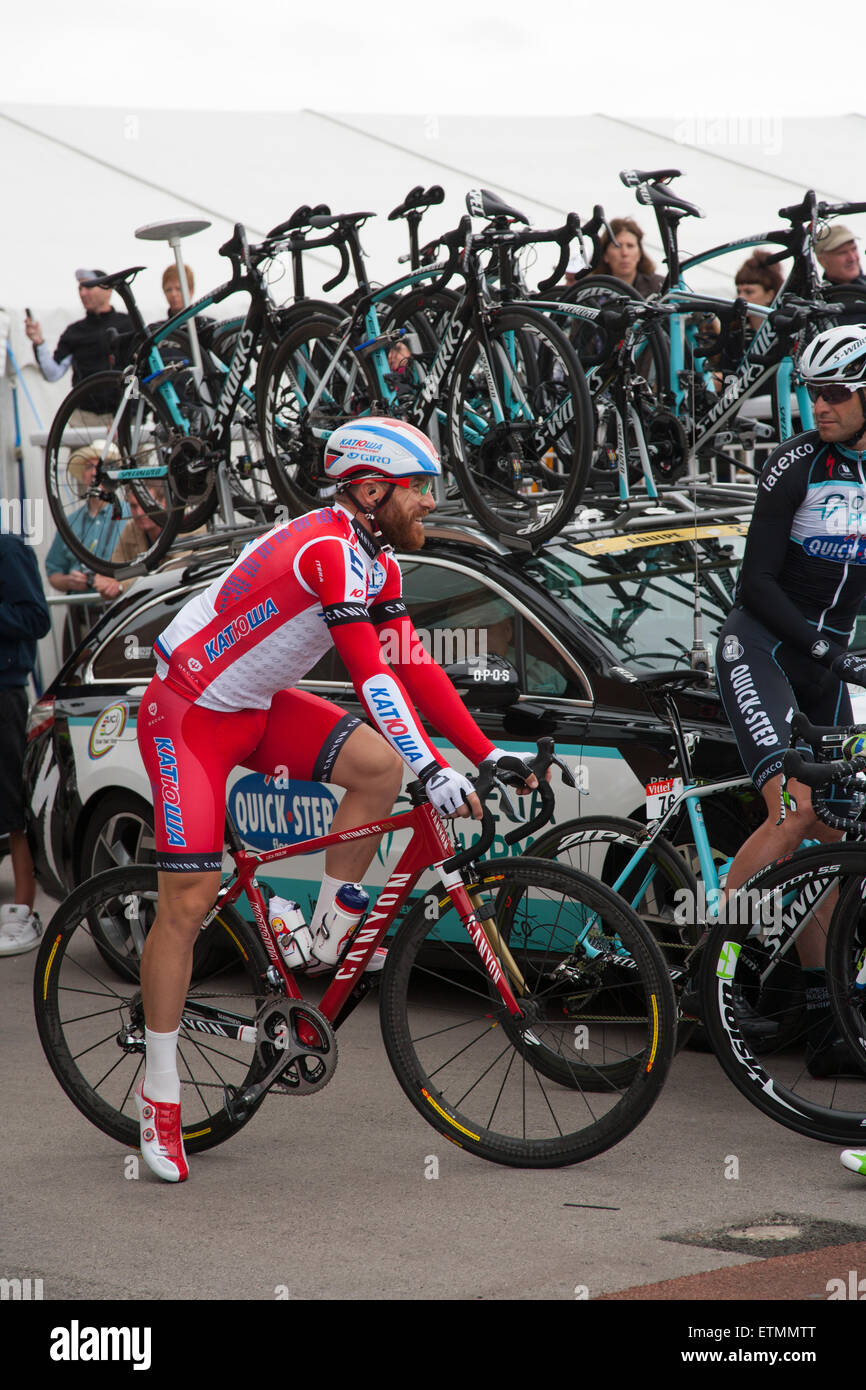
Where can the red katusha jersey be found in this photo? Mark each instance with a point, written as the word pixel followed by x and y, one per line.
pixel 309 583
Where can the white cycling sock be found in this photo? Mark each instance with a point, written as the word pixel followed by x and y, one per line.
pixel 325 901
pixel 161 1081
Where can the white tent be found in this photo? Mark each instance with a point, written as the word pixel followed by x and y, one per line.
pixel 80 180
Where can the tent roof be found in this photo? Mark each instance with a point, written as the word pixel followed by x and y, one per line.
pixel 83 178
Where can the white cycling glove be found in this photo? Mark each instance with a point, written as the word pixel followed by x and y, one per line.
pixel 514 759
pixel 447 790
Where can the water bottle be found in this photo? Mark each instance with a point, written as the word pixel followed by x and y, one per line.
pixel 340 923
pixel 292 933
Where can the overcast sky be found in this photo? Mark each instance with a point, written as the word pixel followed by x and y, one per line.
pixel 677 57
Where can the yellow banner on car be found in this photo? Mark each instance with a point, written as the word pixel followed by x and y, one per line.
pixel 609 545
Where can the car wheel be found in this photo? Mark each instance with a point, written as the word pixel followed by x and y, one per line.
pixel 119 831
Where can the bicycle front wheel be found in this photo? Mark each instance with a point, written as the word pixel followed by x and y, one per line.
pixel 90 1017
pixel 589 1055
pixel 520 426
pixel 775 1041
pixel 106 476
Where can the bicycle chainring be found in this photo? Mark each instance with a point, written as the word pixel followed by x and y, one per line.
pixel 667 445
pixel 191 468
pixel 298 1046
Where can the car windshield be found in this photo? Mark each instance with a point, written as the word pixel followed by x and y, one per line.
pixel 637 592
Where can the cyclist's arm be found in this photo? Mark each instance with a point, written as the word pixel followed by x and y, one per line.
pixel 778 497
pixel 326 569
pixel 427 683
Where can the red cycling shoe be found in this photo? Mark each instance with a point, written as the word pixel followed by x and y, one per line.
pixel 161 1141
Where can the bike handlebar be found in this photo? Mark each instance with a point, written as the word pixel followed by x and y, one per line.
pixel 811 774
pixel 487 779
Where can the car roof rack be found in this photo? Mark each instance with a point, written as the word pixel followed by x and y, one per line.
pixel 599 515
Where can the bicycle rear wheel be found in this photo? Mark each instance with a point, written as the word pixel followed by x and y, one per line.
pixel 750 968
pixel 588 1058
pixel 132 439
pixel 90 1018
pixel 520 438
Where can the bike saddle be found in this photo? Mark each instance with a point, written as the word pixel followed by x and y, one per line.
pixel 109 281
pixel 632 177
pixel 480 202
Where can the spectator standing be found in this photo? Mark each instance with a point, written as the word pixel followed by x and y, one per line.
pixel 838 256
pixel 23 619
pixel 86 346
pixel 171 288
pixel 626 261
pixel 758 282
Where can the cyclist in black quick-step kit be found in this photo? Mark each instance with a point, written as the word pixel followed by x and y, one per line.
pixel 784 645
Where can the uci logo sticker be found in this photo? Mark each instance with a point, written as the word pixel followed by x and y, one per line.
pixel 731 649
pixel 108 729
pixel 728 960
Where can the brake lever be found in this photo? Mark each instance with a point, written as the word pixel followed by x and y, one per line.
pixel 546 758
pixel 506 803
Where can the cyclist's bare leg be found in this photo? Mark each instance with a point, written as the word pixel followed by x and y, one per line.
pixel 370 772
pixel 770 841
pixel 166 961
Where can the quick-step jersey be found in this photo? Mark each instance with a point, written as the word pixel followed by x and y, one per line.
pixel 804 568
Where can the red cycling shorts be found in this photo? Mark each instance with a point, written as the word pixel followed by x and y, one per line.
pixel 188 753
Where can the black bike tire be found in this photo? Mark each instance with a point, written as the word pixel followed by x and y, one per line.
pixel 722 956
pixel 83 392
pixel 426 310
pixel 233 936
pixel 523 322
pixel 675 939
pixel 301 496
pixel 656 338
pixel 846 942
pixel 642 1087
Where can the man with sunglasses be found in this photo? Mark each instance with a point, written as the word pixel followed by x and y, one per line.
pixel 784 645
pixel 223 696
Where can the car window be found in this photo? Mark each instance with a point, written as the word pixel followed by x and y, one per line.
pixel 128 653
pixel 637 592
pixel 459 617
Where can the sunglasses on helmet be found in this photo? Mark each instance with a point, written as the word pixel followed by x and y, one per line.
pixel 834 393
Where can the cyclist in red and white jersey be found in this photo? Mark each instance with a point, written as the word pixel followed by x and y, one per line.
pixel 223 696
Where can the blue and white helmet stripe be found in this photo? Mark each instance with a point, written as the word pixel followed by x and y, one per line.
pixel 374 445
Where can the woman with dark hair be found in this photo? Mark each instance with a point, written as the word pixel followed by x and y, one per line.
pixel 628 260
pixel 758 282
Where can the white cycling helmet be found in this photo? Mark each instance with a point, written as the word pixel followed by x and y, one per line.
pixel 839 355
pixel 374 448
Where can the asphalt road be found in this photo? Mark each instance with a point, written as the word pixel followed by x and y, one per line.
pixel 337 1196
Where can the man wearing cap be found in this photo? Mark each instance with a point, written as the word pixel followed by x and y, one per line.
pixel 838 256
pixel 85 346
